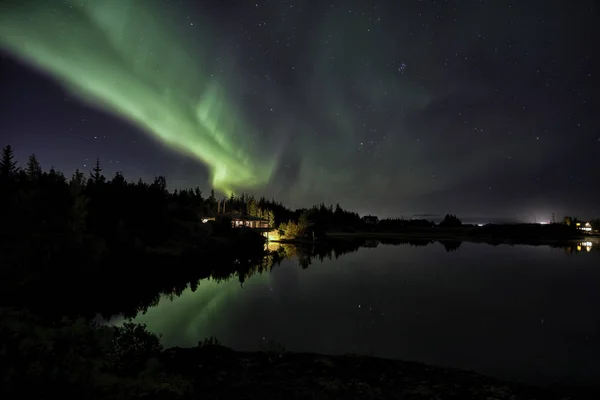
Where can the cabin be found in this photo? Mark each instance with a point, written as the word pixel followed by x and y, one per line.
pixel 238 221
pixel 257 224
pixel 587 227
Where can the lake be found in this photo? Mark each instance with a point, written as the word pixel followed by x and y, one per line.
pixel 516 312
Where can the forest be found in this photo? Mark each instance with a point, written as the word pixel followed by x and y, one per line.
pixel 88 231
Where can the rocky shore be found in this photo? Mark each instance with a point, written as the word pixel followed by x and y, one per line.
pixel 216 372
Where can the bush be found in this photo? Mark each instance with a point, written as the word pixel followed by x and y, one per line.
pixel 73 358
pixel 293 230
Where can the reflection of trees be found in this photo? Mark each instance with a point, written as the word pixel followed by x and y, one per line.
pixel 451 245
pixel 305 254
pixel 132 298
pixel 403 242
pixel 113 293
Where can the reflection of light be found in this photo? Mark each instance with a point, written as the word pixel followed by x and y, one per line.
pixel 272 246
pixel 273 235
pixel 587 245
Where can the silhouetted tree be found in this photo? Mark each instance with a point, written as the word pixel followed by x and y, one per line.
pixel 34 170
pixel 160 184
pixel 8 166
pixel 96 177
pixel 450 221
pixel 77 182
pixel 119 180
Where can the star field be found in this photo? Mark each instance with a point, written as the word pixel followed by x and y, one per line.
pixel 387 107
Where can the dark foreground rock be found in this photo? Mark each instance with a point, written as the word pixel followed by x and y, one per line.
pixel 215 372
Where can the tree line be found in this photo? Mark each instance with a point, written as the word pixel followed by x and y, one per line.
pixel 94 227
pixel 89 234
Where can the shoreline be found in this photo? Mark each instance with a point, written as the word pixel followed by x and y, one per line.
pixel 219 372
pixel 459 236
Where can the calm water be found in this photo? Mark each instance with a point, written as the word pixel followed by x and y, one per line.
pixel 516 312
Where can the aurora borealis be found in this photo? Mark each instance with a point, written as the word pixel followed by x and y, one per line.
pixel 109 54
pixel 388 107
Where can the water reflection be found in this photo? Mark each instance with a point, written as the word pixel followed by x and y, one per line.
pixel 149 290
pixel 580 247
pixel 451 245
pixel 305 254
pixel 517 312
pixel 149 293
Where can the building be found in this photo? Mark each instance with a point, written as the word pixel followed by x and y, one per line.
pixel 587 227
pixel 257 224
pixel 238 221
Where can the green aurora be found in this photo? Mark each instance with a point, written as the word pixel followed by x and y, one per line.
pixel 384 108
pixel 93 48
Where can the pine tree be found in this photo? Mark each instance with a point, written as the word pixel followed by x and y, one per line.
pixel 270 217
pixel 77 182
pixel 160 183
pixel 34 170
pixel 8 167
pixel 252 208
pixel 119 179
pixel 97 176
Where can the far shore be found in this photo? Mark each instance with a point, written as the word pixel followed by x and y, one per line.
pixel 459 234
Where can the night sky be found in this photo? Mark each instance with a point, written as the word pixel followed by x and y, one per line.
pixel 476 107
